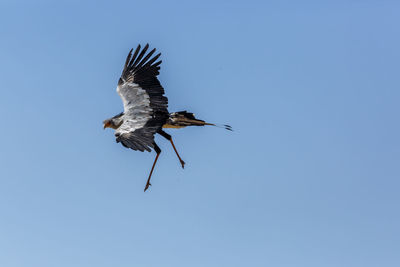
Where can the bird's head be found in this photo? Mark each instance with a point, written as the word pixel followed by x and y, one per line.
pixel 107 124
pixel 113 122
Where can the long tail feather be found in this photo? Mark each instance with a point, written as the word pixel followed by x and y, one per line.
pixel 225 126
pixel 183 119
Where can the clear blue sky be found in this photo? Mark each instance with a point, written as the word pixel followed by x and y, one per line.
pixel 310 176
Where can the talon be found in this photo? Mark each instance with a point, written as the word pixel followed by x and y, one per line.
pixel 147 186
pixel 183 164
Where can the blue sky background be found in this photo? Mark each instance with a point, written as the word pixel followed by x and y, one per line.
pixel 309 177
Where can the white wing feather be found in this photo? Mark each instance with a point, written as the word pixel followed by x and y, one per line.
pixel 137 110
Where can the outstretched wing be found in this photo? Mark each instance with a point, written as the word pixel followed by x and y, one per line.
pixel 145 106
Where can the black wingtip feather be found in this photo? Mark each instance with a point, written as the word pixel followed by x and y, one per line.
pixel 157 63
pixel 128 58
pixel 141 63
pixel 148 64
pixel 144 50
pixel 134 56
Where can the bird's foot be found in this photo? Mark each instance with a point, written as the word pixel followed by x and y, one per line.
pixel 183 164
pixel 147 186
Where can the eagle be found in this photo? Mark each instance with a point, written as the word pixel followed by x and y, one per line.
pixel 146 108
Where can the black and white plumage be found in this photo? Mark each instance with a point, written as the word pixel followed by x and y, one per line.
pixel 145 106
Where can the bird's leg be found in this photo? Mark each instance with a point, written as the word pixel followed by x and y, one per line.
pixel 168 137
pixel 180 160
pixel 158 151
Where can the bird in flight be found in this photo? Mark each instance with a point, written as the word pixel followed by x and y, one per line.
pixel 146 108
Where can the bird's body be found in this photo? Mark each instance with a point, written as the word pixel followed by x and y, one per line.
pixel 145 107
